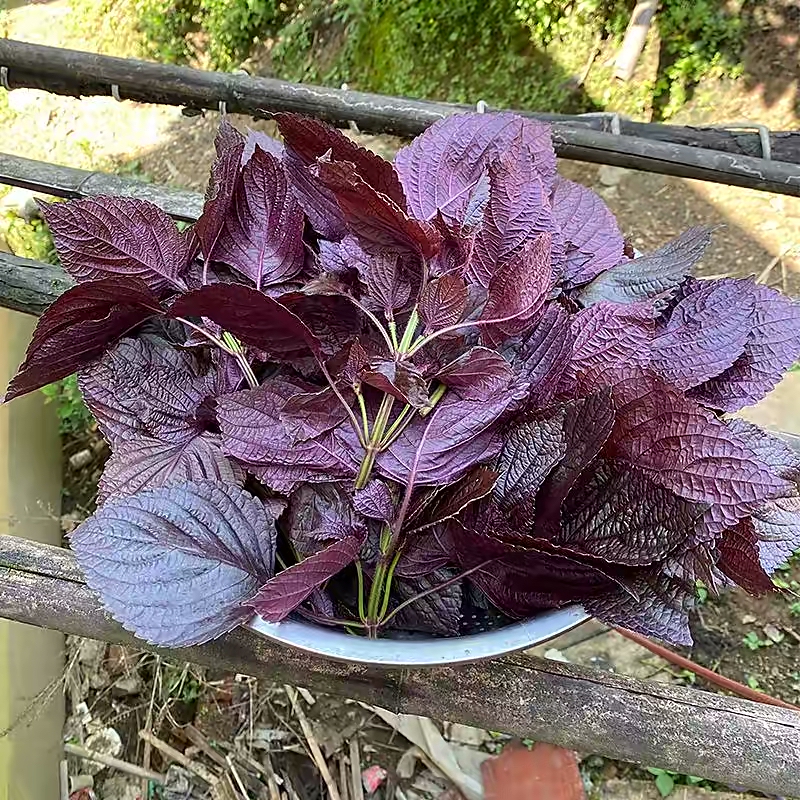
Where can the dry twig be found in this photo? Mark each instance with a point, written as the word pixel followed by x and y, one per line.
pixel 355 770
pixel 114 763
pixel 175 755
pixel 313 746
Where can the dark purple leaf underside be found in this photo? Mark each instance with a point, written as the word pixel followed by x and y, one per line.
pixel 106 237
pixel 79 327
pixel 588 423
pixel 689 451
pixel 443 302
pixel 441 167
pixel 373 218
pixel 530 451
pixel 252 317
pixel 544 355
pixel 319 514
pixel 402 381
pixel 309 139
pixel 382 276
pixel 438 612
pixel 649 275
pixel 517 291
pixel 229 145
pixel 422 554
pixel 739 559
pixel 194 553
pixel 517 211
pixel 772 347
pixel 281 595
pixel 262 236
pixel 478 374
pixel 705 333
pixel 588 232
pixel 449 502
pixel 623 517
pixel 141 462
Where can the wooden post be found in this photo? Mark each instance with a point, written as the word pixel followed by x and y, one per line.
pixel 635 38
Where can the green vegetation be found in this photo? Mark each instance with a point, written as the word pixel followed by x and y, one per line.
pixel 73 415
pixel 510 53
pixel 752 641
pixel 666 781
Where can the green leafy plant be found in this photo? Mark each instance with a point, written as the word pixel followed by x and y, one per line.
pixel 752 641
pixel 666 781
pixel 794 609
pixel 73 415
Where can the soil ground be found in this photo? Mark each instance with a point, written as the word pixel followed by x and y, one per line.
pixel 751 640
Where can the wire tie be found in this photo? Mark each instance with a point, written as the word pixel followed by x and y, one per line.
pixel 4 78
pixel 480 107
pixel 115 92
pixel 223 108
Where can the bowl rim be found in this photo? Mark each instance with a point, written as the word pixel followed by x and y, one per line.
pixel 429 652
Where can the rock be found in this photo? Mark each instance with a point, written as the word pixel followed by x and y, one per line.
pixel 465 734
pixel 611 176
pixel 127 685
pixel 81 459
pixel 748 619
pixel 773 634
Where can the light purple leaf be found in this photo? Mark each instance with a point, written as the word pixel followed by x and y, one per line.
pixel 611 342
pixel 310 414
pixel 588 232
pixel 777 525
pixel 106 237
pixel 771 450
pixel 443 302
pixel 145 386
pixel 772 347
pixel 79 327
pixel 649 275
pixel 375 501
pixel 229 145
pixel 661 610
pixel 281 595
pixel 478 374
pixel 194 553
pixel 253 434
pixel 440 448
pixel 141 462
pixel 705 333
pixel 262 236
pixel 441 168
pixel 262 140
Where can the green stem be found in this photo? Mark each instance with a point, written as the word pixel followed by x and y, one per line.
pixel 388 589
pixel 373 446
pixel 393 333
pixel 360 574
pixel 364 419
pixel 394 426
pixel 438 394
pixel 410 331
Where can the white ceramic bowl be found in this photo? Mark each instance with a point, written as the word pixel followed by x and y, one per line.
pixel 427 652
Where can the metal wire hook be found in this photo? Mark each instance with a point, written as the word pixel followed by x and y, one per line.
pixel 4 78
pixel 763 135
pixel 115 92
pixel 480 107
pixel 223 108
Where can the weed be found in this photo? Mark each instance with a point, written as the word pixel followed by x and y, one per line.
pixel 753 683
pixel 73 415
pixel 794 609
pixel 29 239
pixel 752 641
pixel 666 781
pixel 701 592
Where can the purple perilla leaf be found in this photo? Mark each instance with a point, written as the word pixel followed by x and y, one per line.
pixel 400 379
pixel 443 302
pixel 195 553
pixel 320 514
pixel 375 501
pixel 478 374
